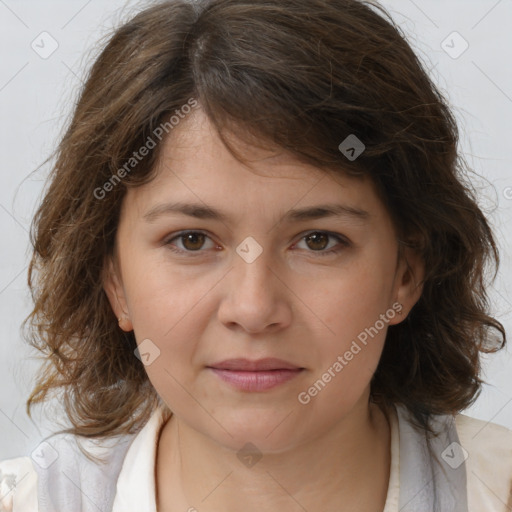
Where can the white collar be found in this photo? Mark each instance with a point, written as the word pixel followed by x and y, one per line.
pixel 136 483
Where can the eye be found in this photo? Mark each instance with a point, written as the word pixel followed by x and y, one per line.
pixel 316 242
pixel 192 241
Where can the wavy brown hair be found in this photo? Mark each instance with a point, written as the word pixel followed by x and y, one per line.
pixel 300 75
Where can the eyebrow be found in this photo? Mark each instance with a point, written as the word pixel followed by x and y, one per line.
pixel 201 211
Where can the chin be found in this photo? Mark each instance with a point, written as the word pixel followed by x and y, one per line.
pixel 267 432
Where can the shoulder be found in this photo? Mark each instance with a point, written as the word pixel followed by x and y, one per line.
pixel 55 474
pixel 487 449
pixel 18 485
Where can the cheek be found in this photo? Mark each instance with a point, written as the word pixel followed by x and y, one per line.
pixel 355 313
pixel 161 295
pixel 354 300
pixel 172 309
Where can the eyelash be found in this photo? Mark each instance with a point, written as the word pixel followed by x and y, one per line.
pixel 342 241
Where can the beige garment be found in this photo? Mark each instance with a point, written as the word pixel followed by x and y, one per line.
pixel 488 466
pixel 489 470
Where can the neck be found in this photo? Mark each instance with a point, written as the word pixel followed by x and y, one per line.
pixel 346 468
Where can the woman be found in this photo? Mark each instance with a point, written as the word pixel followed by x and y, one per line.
pixel 258 275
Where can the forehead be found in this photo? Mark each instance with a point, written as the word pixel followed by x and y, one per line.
pixel 196 140
pixel 195 166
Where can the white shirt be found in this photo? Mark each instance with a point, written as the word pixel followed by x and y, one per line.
pixel 488 465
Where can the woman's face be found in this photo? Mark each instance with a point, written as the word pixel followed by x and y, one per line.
pixel 285 261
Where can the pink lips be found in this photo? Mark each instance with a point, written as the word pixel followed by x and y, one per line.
pixel 260 375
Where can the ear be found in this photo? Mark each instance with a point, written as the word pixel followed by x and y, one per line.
pixel 112 284
pixel 408 284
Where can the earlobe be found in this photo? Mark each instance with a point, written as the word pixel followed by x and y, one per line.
pixel 114 290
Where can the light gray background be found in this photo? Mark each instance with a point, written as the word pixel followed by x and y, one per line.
pixel 36 95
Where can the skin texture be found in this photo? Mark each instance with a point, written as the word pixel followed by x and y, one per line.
pixel 291 302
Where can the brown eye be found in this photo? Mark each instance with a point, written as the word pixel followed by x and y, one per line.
pixel 323 243
pixel 190 242
pixel 193 241
pixel 317 241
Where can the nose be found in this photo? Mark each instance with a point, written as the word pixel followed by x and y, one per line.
pixel 255 296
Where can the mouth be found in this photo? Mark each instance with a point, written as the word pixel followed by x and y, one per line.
pixel 260 375
pixel 266 364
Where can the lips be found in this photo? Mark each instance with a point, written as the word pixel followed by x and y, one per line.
pixel 260 365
